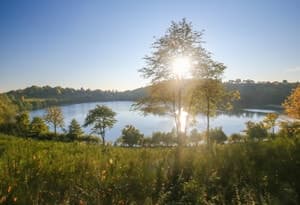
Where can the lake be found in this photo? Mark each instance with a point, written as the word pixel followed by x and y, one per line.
pixel 231 123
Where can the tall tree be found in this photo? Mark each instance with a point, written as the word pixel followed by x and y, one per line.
pixel 292 104
pixel 102 117
pixel 54 117
pixel 176 56
pixel 209 96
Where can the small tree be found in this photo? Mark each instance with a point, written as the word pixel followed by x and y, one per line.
pixel 292 104
pixel 270 121
pixel 75 130
pixel 290 129
pixel 217 135
pixel 196 136
pixel 38 127
pixel 131 136
pixel 23 123
pixel 236 137
pixel 102 117
pixel 54 117
pixel 256 130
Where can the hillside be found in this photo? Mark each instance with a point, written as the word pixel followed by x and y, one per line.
pixel 253 95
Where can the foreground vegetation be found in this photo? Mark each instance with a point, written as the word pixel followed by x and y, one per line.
pixel 41 172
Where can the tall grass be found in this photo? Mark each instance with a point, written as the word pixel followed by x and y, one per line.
pixel 39 172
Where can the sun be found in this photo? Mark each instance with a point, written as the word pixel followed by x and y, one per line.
pixel 182 118
pixel 181 65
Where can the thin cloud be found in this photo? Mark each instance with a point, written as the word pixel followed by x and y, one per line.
pixel 295 69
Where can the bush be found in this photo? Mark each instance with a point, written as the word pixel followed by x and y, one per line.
pixel 131 136
pixel 256 131
pixel 217 135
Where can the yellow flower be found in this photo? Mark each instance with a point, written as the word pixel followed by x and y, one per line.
pixel 9 189
pixel 110 161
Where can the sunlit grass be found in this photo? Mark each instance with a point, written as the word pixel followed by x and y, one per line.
pixel 39 172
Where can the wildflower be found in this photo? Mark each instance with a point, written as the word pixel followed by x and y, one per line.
pixel 9 189
pixel 2 199
pixel 15 199
pixel 110 161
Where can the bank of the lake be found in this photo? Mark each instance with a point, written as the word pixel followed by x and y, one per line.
pixel 232 122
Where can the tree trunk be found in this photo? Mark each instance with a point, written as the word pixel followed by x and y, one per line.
pixel 103 140
pixel 207 128
pixel 55 129
pixel 180 140
pixel 103 137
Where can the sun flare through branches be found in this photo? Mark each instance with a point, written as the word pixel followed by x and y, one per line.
pixel 181 65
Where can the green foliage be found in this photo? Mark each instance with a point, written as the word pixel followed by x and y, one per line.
pixel 270 121
pixel 196 136
pixel 54 117
pixel 7 109
pixel 256 131
pixel 270 95
pixel 77 173
pixel 102 117
pixel 36 97
pixel 290 129
pixel 236 138
pixel 167 93
pixel 23 123
pixel 217 135
pixel 38 127
pixel 163 138
pixel 252 95
pixel 209 96
pixel 131 136
pixel 75 130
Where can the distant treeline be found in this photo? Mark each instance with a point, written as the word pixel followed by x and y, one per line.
pixel 261 95
pixel 258 95
pixel 36 97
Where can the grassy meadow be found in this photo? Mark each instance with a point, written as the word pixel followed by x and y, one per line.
pixel 47 172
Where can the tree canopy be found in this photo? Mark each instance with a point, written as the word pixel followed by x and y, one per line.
pixel 182 45
pixel 75 130
pixel 54 116
pixel 131 136
pixel 292 104
pixel 176 65
pixel 7 109
pixel 101 118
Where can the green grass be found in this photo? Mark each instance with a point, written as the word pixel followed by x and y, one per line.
pixel 40 172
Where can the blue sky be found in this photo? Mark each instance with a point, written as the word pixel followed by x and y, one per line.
pixel 100 44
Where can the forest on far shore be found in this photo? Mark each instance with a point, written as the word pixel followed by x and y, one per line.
pixel 253 95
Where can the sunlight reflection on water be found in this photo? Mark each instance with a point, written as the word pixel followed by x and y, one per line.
pixel 230 122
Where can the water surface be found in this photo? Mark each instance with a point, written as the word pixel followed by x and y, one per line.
pixel 231 123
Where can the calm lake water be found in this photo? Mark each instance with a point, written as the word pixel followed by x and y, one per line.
pixel 231 123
